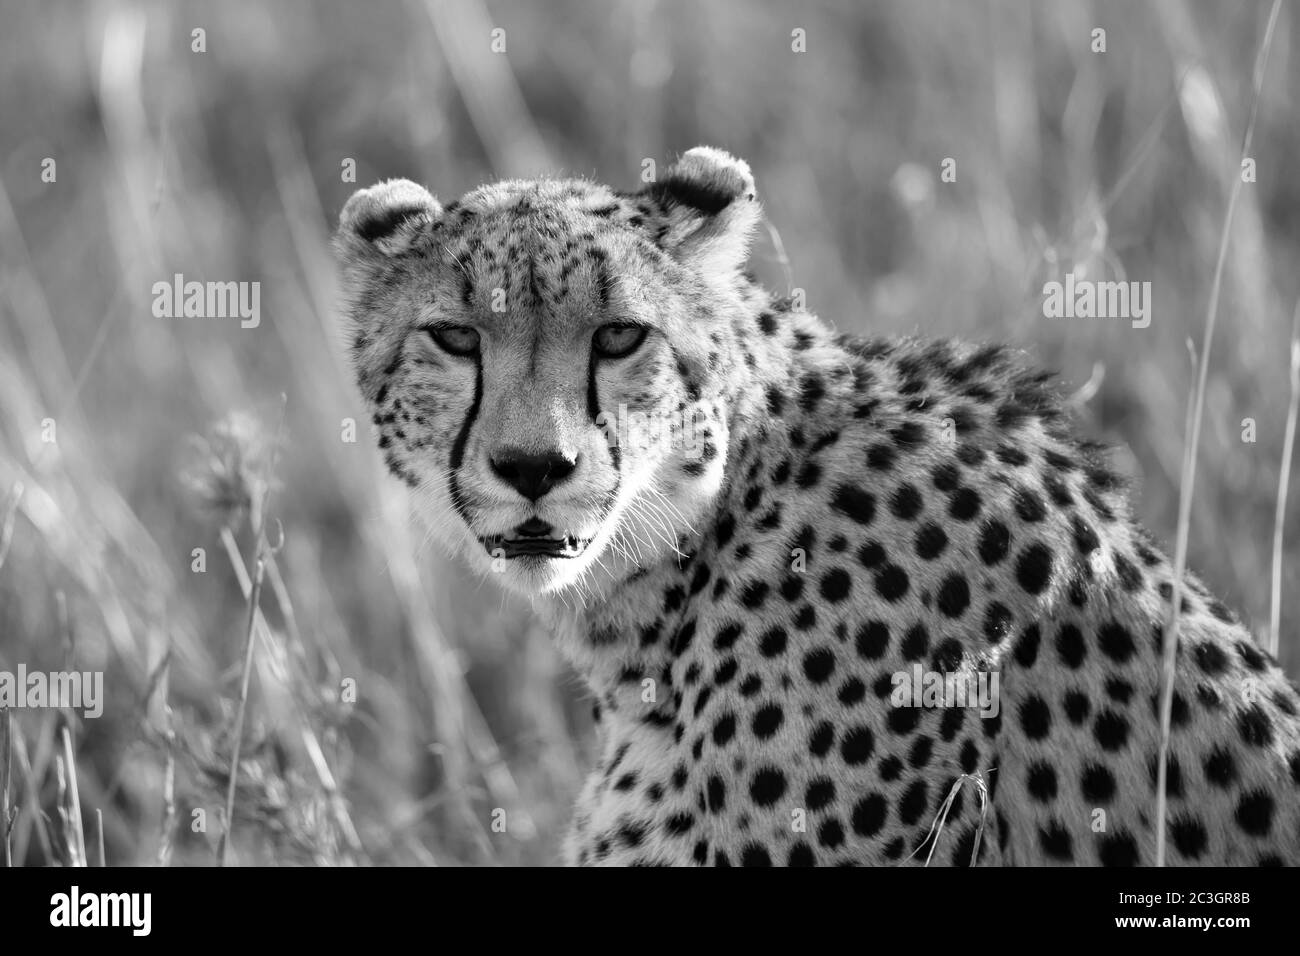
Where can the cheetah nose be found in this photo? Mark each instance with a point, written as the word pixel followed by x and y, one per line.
pixel 532 475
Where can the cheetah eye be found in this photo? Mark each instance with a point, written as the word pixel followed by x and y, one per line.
pixel 456 339
pixel 616 341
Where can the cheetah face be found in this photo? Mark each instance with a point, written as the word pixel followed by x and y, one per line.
pixel 546 361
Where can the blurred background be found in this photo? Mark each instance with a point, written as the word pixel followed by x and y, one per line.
pixel 399 711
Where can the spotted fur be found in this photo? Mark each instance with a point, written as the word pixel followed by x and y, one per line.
pixel 853 509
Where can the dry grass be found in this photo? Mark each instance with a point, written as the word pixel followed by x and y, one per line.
pixel 225 165
pixel 1283 483
pixel 1187 485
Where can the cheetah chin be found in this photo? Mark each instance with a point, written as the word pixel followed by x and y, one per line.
pixel 824 523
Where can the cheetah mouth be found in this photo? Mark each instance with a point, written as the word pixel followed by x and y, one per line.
pixel 524 545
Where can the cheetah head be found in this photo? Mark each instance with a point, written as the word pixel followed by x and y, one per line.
pixel 548 362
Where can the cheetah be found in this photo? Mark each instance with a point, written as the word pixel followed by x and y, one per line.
pixel 778 555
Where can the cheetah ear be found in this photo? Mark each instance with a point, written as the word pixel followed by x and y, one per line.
pixel 386 218
pixel 710 210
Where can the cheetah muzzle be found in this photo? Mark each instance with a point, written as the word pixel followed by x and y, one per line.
pixel 775 601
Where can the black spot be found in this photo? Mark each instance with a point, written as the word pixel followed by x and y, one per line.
pixel 724 729
pixel 1085 539
pixel 1009 455
pixel 819 664
pixel 1255 726
pixel 1077 707
pixel 954 596
pixel 906 502
pixel 1117 643
pixel 913 804
pixel 754 855
pixel 1034 568
pixel 809 475
pixel 1255 813
pixel 682 639
pixel 916 642
pixel 970 757
pixel 1057 490
pixel 726 637
pixel 852 692
pixel 1130 578
pixel 1210 658
pixel 919 755
pixel 1042 782
pixel 1173 775
pixel 724 529
pixel 857 745
pixel 812 390
pixel 997 622
pixel 1220 768
pixel 946 477
pixel 1221 612
pixel 1120 690
pixel 908 433
pixel 965 504
pixel 947 656
pixel 754 594
pixel 835 585
pixel 995 540
pixel 857 504
pixel 872 640
pixel 631 834
pixel 1097 784
pixel 679 824
pixel 1252 656
pixel 1118 849
pixel 891 582
pixel 820 793
pixel 1029 506
pixel 767 721
pixel 1035 717
pixel 1111 730
pixel 903 720
pixel 773 642
pixel 951 723
pixel 1027 646
pixel 822 739
pixel 930 541
pixel 869 815
pixel 801 854
pixel 881 456
pixel 830 834
pixel 1055 841
pixel 767 787
pixel 1070 646
pixel 717 794
pixel 1189 837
